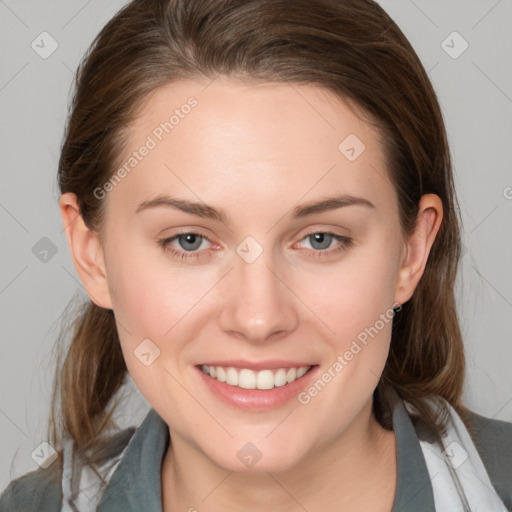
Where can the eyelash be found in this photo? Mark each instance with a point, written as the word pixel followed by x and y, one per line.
pixel 345 243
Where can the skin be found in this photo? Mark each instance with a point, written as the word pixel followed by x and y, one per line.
pixel 257 151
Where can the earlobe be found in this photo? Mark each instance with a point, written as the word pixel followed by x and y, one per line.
pixel 418 245
pixel 86 251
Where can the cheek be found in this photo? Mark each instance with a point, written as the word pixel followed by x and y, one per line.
pixel 158 300
pixel 352 295
pixel 150 291
pixel 356 303
pixel 153 306
pixel 141 299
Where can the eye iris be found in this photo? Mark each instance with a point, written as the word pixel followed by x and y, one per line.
pixel 322 238
pixel 190 237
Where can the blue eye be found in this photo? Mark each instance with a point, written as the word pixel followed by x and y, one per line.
pixel 185 240
pixel 321 239
pixel 190 239
pixel 324 239
pixel 190 242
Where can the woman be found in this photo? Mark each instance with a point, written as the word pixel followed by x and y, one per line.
pixel 210 147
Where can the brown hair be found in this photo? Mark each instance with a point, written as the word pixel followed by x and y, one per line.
pixel 350 47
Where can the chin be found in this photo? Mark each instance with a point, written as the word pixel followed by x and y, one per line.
pixel 249 457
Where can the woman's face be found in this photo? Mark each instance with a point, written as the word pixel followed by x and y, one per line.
pixel 253 288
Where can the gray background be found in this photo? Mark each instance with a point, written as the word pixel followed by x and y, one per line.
pixel 475 92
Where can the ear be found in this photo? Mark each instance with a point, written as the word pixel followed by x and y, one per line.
pixel 86 251
pixel 417 247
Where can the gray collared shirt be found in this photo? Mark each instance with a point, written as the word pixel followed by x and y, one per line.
pixel 135 485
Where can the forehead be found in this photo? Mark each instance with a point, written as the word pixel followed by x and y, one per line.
pixel 268 141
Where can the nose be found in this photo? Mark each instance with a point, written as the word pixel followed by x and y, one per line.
pixel 258 303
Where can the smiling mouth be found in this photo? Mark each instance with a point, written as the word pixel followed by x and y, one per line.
pixel 248 379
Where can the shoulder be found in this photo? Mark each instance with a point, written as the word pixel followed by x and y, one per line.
pixel 493 440
pixel 42 489
pixel 34 491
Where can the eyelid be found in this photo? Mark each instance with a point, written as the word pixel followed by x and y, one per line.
pixel 174 237
pixel 307 232
pixel 342 240
pixel 333 230
pixel 344 243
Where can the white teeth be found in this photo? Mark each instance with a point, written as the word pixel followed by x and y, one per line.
pixel 291 375
pixel 231 377
pixel 221 373
pixel 249 379
pixel 301 371
pixel 280 377
pixel 265 379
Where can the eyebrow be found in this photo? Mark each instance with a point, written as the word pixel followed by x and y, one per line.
pixel 210 212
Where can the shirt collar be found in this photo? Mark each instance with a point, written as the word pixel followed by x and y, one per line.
pixel 414 488
pixel 136 483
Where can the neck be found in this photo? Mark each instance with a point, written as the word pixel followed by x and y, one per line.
pixel 354 471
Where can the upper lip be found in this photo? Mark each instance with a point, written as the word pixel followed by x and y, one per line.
pixel 258 365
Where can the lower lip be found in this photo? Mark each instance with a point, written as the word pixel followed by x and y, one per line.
pixel 257 399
